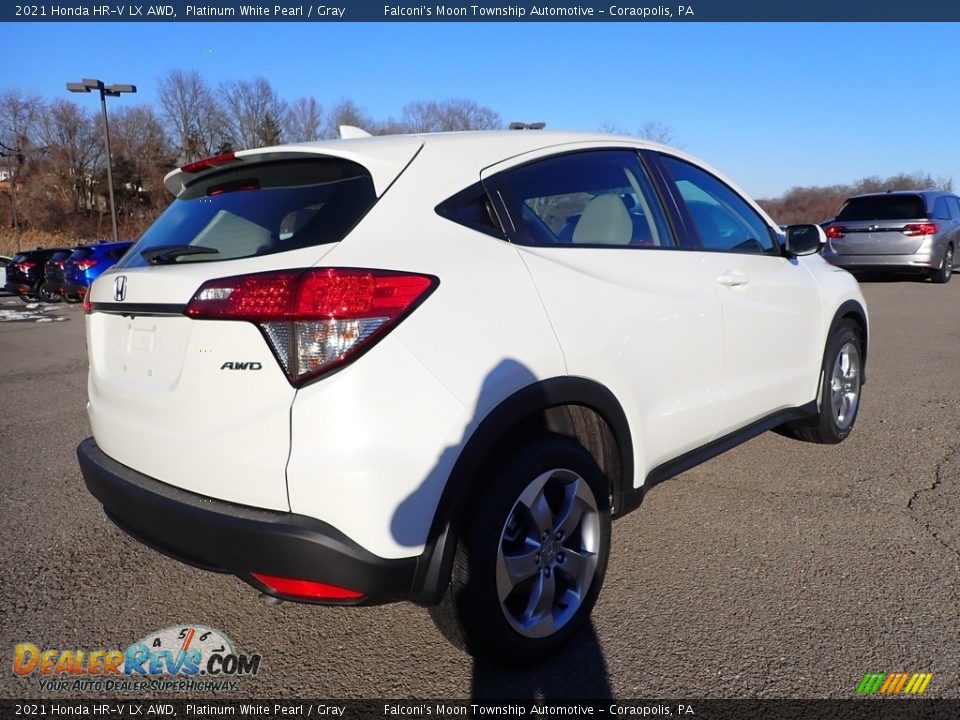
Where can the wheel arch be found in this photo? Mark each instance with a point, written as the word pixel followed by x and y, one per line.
pixel 853 310
pixel 579 408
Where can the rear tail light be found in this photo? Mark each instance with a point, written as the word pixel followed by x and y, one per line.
pixel 26 266
pixel 85 265
pixel 306 589
pixel 207 163
pixel 314 319
pixel 915 229
pixel 835 232
pixel 87 305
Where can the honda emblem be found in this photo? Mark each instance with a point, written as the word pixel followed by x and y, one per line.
pixel 120 288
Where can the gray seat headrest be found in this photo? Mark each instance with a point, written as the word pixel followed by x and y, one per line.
pixel 604 221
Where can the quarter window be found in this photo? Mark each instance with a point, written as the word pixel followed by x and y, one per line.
pixel 954 204
pixel 602 198
pixel 940 211
pixel 723 220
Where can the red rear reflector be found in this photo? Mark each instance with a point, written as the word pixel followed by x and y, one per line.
pixel 835 232
pixel 314 319
pixel 914 229
pixel 306 588
pixel 25 265
pixel 86 264
pixel 208 163
pixel 87 305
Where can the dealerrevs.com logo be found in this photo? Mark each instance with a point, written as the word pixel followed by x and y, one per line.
pixel 181 658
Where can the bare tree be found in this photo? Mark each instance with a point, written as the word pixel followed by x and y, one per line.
pixel 142 155
pixel 816 204
pixel 348 113
pixel 656 131
pixel 18 116
pixel 614 128
pixel 304 120
pixel 74 149
pixel 194 118
pixel 253 111
pixel 449 115
pixel 19 113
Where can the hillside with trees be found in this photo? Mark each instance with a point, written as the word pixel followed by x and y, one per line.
pixel 816 204
pixel 53 185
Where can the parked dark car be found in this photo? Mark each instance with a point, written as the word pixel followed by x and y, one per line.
pixel 53 290
pixel 914 231
pixel 5 262
pixel 26 275
pixel 85 265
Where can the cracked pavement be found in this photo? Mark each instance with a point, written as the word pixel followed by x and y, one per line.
pixel 781 569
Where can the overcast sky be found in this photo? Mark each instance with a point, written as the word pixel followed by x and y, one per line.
pixel 772 106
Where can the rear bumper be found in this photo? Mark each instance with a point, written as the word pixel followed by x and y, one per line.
pixel 915 262
pixel 226 537
pixel 18 287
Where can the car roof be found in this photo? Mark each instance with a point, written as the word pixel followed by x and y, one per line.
pixel 461 155
pixel 926 194
pixel 385 156
pixel 110 244
pixel 41 250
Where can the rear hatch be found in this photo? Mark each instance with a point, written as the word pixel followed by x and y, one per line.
pixel 891 224
pixel 53 272
pixel 25 269
pixel 204 404
pixel 72 268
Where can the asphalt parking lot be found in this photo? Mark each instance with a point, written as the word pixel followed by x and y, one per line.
pixel 780 569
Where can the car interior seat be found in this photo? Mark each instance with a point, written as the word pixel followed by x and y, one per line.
pixel 605 221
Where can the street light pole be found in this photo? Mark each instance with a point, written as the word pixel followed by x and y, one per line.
pixel 87 85
pixel 106 138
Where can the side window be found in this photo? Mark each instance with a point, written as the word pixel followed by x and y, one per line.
pixel 953 204
pixel 940 210
pixel 723 220
pixel 472 208
pixel 594 198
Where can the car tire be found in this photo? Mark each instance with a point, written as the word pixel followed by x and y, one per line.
pixel 840 394
pixel 48 296
pixel 943 273
pixel 532 555
pixel 28 297
pixel 72 299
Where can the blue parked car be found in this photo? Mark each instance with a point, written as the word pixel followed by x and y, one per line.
pixel 85 265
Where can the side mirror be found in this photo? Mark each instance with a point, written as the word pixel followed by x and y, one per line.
pixel 804 239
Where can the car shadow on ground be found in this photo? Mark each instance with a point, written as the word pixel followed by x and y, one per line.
pixel 579 671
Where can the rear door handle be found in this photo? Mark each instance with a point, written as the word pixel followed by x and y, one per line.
pixel 733 279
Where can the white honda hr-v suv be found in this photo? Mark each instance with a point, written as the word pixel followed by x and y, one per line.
pixel 433 367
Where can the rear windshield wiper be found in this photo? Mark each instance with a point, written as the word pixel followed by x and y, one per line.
pixel 169 253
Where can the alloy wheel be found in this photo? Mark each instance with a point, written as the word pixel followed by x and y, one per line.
pixel 548 553
pixel 845 385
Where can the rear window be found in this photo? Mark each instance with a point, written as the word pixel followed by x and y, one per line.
pixel 883 207
pixel 259 210
pixel 80 253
